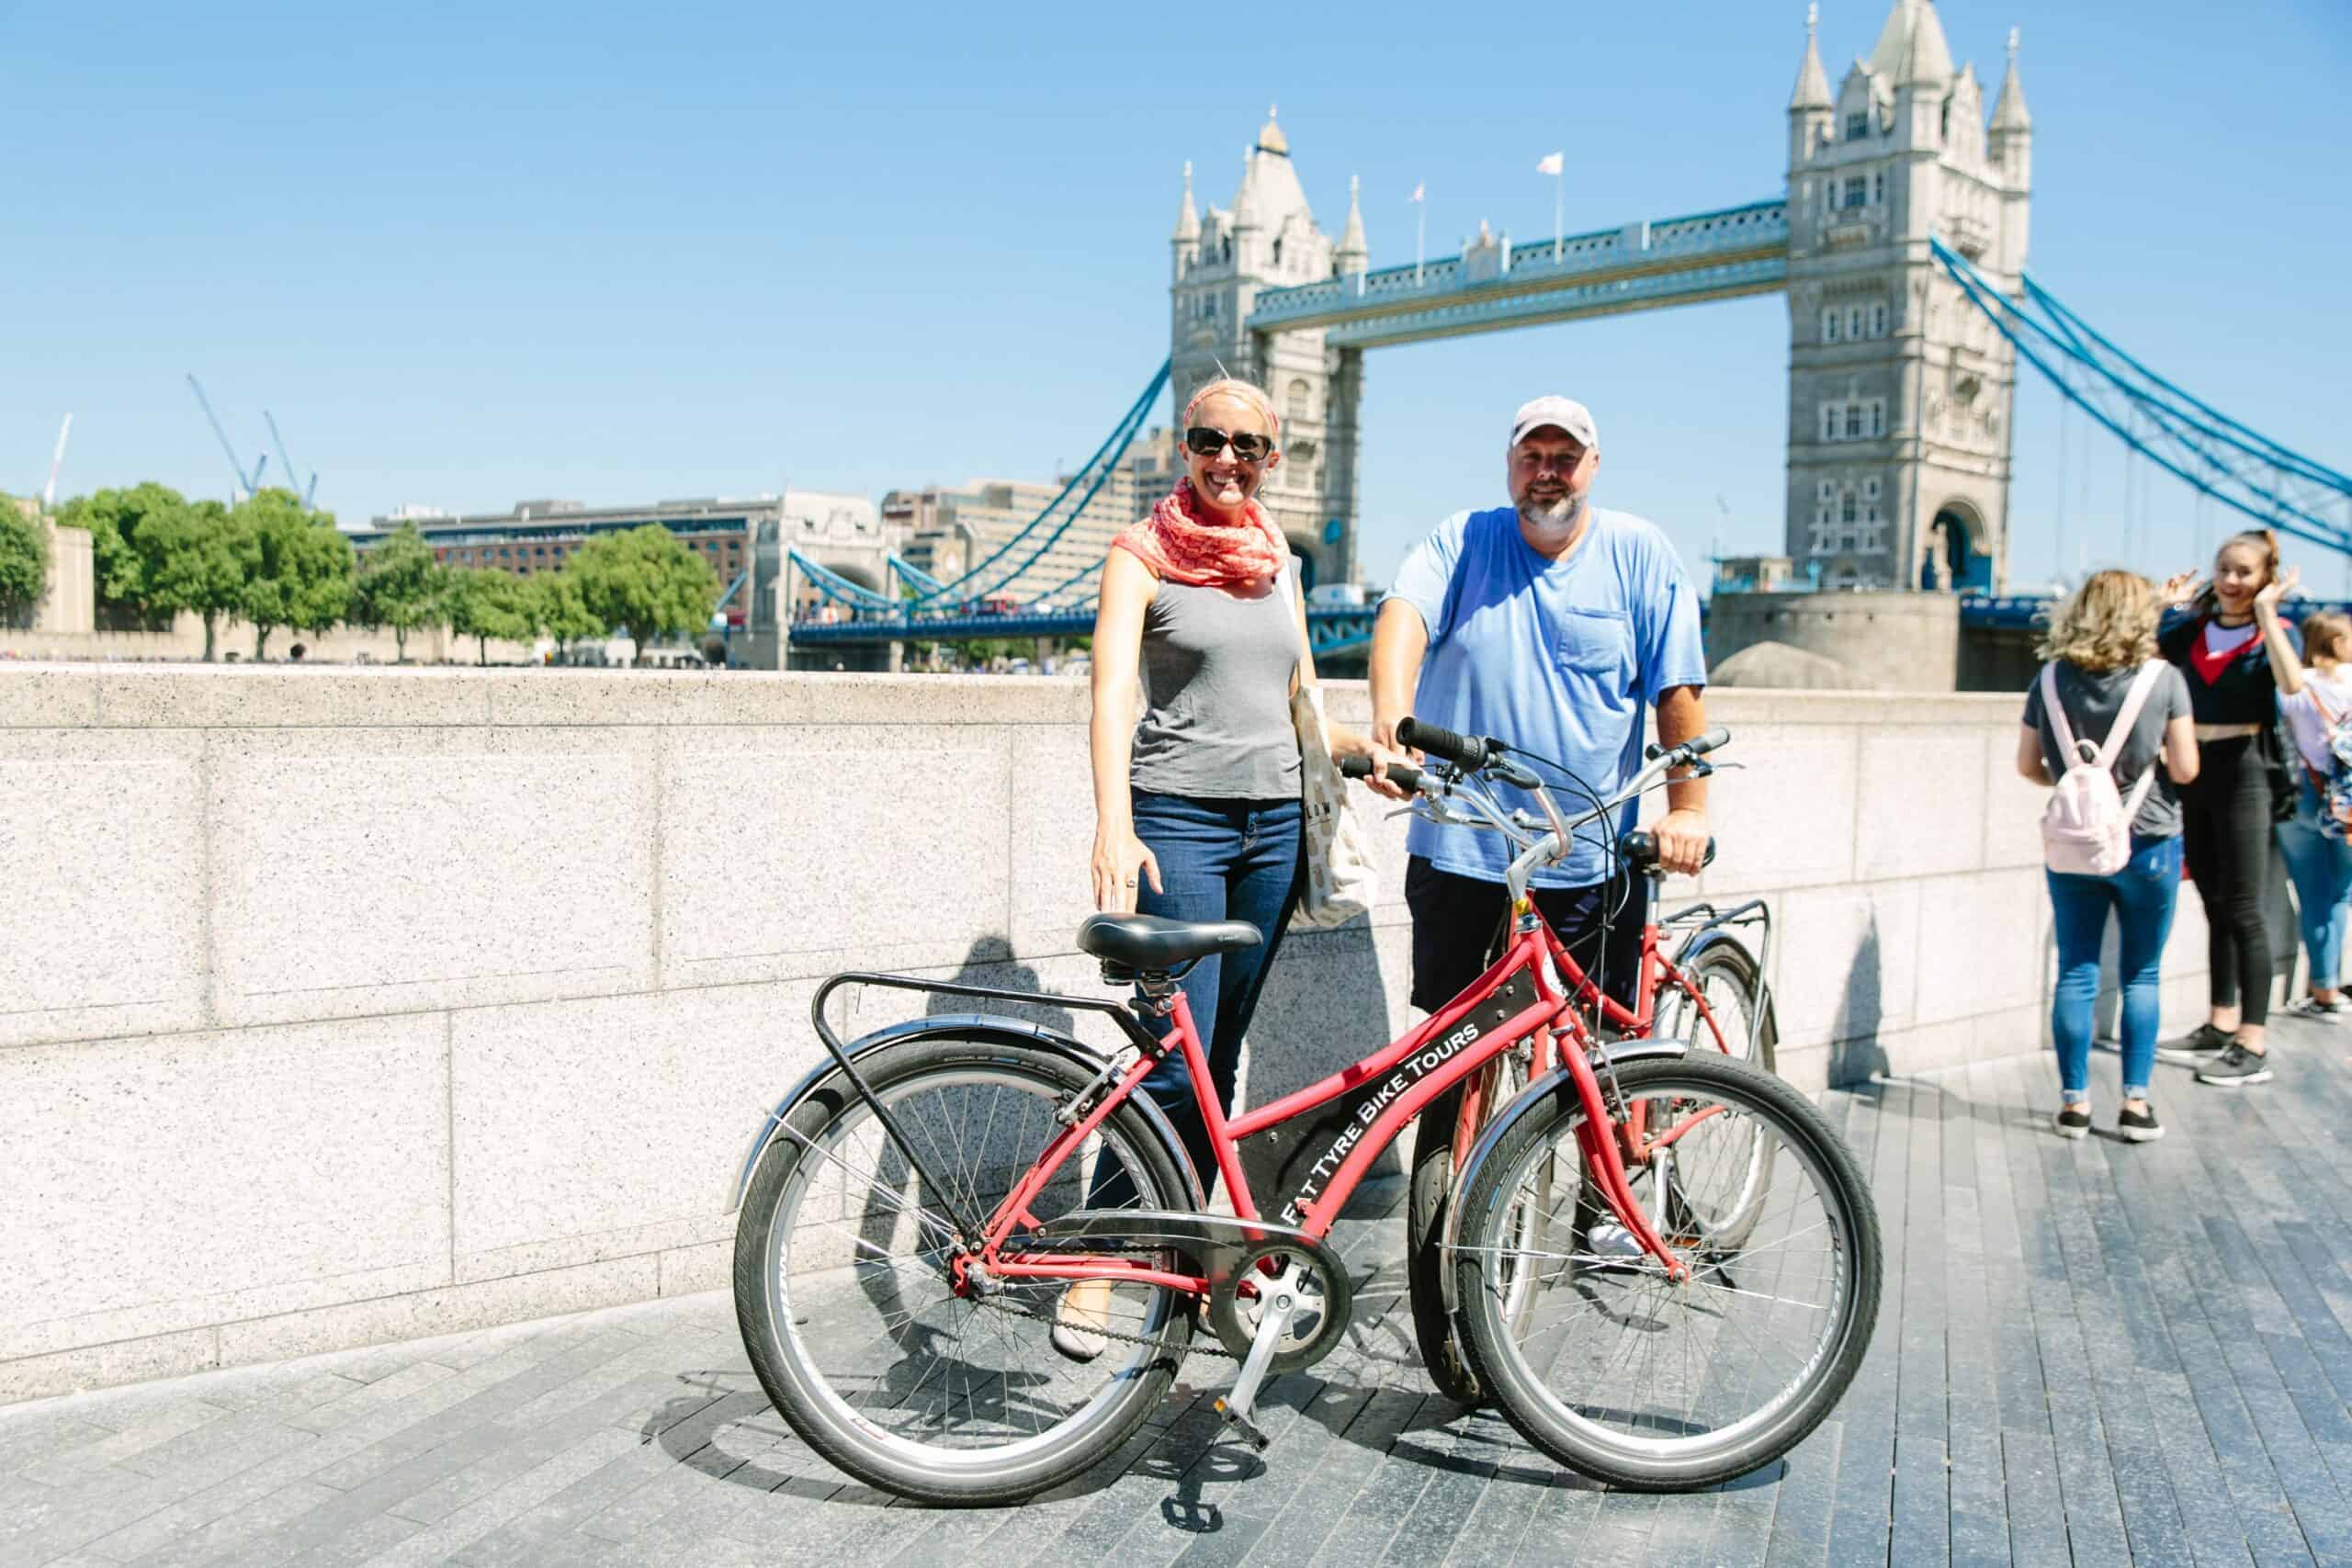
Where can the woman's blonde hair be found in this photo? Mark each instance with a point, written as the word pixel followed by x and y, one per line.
pixel 1240 392
pixel 2109 623
pixel 2327 634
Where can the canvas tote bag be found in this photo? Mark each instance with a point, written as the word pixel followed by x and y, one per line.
pixel 1340 880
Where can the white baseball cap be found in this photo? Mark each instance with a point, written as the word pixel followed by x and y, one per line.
pixel 1563 413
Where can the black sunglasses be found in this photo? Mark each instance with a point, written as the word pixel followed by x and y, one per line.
pixel 1209 443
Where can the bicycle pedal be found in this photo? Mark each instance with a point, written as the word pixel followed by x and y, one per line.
pixel 1242 1424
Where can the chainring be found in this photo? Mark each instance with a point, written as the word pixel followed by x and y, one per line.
pixel 1234 1316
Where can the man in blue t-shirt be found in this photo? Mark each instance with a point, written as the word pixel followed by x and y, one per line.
pixel 1551 625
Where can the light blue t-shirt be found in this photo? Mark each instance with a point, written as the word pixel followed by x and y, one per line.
pixel 1558 658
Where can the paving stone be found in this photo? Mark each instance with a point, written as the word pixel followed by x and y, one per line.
pixel 2087 1352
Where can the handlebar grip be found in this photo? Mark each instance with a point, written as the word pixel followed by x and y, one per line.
pixel 1640 847
pixel 1404 775
pixel 1709 741
pixel 1467 753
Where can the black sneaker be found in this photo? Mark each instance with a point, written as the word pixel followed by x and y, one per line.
pixel 2237 1068
pixel 2138 1126
pixel 2074 1122
pixel 2199 1045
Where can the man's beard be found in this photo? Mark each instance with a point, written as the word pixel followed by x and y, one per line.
pixel 1554 520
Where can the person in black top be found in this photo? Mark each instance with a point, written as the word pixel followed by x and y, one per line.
pixel 2226 638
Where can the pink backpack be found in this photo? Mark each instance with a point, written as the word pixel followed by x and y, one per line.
pixel 2087 828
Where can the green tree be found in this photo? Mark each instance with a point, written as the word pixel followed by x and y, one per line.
pixel 401 587
pixel 299 570
pixel 115 518
pixel 24 556
pixel 645 580
pixel 562 613
pixel 492 604
pixel 193 558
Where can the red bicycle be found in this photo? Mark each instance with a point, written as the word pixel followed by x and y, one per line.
pixel 1710 991
pixel 1658 1261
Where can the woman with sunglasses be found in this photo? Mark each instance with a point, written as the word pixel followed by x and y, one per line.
pixel 1196 800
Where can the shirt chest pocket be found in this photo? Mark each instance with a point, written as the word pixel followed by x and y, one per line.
pixel 1596 642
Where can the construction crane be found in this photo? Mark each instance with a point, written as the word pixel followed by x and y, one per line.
pixel 48 495
pixel 236 466
pixel 287 462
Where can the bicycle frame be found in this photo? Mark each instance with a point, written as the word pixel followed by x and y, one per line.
pixel 1516 999
pixel 1656 972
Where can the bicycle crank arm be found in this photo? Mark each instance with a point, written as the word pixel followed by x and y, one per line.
pixel 1281 1304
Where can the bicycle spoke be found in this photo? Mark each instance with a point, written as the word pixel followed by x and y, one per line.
pixel 861 1267
pixel 1639 1359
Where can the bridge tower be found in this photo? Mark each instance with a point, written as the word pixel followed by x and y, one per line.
pixel 1900 393
pixel 1268 238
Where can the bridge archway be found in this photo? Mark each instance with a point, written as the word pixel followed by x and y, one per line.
pixel 810 600
pixel 1956 541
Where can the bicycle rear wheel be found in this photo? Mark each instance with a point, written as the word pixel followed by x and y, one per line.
pixel 848 1313
pixel 1634 1378
pixel 1731 1191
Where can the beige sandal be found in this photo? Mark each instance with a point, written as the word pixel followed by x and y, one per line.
pixel 1078 1326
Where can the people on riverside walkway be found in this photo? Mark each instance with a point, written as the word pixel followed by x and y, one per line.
pixel 2103 651
pixel 1556 623
pixel 1196 802
pixel 2225 637
pixel 2314 841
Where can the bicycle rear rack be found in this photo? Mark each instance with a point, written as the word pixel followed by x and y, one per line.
pixel 1702 918
pixel 972 1226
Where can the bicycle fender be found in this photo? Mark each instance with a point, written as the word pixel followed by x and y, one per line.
pixel 992 1028
pixel 1532 1096
pixel 1707 937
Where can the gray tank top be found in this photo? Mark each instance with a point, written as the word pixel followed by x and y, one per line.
pixel 1216 672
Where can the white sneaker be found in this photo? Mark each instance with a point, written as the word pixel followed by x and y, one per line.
pixel 2319 1011
pixel 1608 1239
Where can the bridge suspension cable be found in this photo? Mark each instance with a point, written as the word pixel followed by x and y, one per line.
pixel 1039 535
pixel 2217 456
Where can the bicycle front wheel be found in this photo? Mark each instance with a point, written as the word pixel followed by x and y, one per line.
pixel 850 1315
pixel 1626 1374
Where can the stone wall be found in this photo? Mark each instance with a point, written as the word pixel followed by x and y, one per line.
pixel 50 639
pixel 340 1006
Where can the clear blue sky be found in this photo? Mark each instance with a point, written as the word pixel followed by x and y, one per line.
pixel 471 254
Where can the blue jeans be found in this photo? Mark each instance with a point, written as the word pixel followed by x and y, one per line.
pixel 2142 896
pixel 1219 860
pixel 2322 870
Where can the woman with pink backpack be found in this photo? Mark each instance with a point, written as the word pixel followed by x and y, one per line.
pixel 2315 695
pixel 2099 718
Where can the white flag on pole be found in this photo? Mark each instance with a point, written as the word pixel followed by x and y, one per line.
pixel 1419 189
pixel 1550 165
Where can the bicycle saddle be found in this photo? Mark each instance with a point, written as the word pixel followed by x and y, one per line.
pixel 1154 942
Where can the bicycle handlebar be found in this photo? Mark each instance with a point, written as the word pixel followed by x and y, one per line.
pixel 1641 846
pixel 1698 747
pixel 1468 802
pixel 1404 775
pixel 1469 752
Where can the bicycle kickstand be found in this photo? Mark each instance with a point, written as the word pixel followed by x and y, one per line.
pixel 1282 1304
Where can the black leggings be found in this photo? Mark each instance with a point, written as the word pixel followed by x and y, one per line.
pixel 2227 825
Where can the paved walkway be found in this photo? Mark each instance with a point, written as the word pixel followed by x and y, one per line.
pixel 2087 1352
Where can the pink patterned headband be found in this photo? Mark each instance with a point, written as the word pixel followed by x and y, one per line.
pixel 1233 386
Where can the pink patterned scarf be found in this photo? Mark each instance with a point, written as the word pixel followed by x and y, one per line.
pixel 1182 542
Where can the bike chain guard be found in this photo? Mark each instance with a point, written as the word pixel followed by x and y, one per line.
pixel 1324 1299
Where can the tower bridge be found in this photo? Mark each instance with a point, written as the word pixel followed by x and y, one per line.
pixel 1899 242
